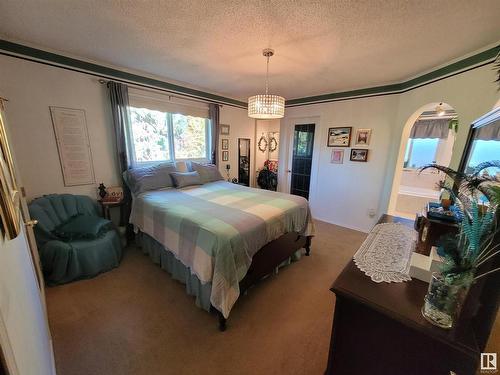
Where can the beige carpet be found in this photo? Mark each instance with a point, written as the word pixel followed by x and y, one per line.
pixel 137 320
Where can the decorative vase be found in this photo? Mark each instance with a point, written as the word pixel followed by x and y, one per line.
pixel 444 300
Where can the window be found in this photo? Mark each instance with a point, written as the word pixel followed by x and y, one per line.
pixel 420 151
pixel 163 136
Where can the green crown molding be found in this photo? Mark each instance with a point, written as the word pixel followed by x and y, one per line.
pixel 37 55
pixel 34 54
pixel 468 63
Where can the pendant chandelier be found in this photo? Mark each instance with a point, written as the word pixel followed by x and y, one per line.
pixel 266 106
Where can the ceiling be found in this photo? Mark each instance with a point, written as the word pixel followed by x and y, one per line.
pixel 321 46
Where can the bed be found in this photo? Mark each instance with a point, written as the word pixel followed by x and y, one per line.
pixel 221 238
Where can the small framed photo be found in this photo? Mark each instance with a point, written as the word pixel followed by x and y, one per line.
pixel 359 154
pixel 337 156
pixel 225 155
pixel 225 144
pixel 224 129
pixel 339 137
pixel 363 137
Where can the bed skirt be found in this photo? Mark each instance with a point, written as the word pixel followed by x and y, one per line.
pixel 167 261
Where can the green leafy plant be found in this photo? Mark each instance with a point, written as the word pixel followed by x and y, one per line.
pixel 466 186
pixel 474 245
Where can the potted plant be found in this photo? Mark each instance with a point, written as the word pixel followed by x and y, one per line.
pixel 477 197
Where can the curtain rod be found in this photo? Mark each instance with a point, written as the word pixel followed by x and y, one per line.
pixel 436 117
pixel 154 89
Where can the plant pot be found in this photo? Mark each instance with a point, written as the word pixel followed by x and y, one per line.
pixel 444 300
pixel 446 203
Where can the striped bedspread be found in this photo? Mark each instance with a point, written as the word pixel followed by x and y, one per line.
pixel 216 228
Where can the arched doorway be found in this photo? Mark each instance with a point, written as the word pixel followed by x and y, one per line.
pixel 428 137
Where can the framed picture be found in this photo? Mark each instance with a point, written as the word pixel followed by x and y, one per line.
pixel 363 137
pixel 73 145
pixel 339 137
pixel 225 144
pixel 359 154
pixel 337 157
pixel 225 155
pixel 224 129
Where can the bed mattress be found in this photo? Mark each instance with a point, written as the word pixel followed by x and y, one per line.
pixel 216 228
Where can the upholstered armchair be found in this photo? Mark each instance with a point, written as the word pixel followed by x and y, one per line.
pixel 74 242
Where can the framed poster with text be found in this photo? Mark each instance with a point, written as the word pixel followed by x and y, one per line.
pixel 70 129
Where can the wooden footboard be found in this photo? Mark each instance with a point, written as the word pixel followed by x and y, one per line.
pixel 265 261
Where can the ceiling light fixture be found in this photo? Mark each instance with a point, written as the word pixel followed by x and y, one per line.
pixel 266 106
pixel 440 110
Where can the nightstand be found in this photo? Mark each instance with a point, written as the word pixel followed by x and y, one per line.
pixel 106 209
pixel 106 213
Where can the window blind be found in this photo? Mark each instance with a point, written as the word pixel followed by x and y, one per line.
pixel 437 128
pixel 164 103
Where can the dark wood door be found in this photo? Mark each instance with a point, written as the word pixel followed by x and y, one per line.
pixel 303 143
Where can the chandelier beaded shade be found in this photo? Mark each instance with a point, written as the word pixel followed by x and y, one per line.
pixel 266 106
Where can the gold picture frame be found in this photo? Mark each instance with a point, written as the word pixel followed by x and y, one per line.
pixel 9 193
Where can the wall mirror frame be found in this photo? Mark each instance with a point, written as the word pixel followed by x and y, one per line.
pixel 244 161
pixel 485 128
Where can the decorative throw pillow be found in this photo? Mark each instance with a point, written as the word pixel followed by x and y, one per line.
pixel 150 178
pixel 182 166
pixel 183 179
pixel 82 227
pixel 208 172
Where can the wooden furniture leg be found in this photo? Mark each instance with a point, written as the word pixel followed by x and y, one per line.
pixel 222 322
pixel 308 245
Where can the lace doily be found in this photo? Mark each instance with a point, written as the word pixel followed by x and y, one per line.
pixel 385 255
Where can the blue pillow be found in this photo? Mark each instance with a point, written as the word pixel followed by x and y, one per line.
pixel 82 227
pixel 183 179
pixel 208 172
pixel 150 178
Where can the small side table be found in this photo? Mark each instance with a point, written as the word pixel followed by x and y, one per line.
pixel 106 212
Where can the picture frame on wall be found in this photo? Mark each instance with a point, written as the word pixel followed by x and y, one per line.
pixel 339 136
pixel 337 156
pixel 225 155
pixel 224 129
pixel 359 154
pixel 225 144
pixel 363 137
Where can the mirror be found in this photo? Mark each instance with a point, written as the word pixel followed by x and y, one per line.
pixel 244 161
pixel 483 143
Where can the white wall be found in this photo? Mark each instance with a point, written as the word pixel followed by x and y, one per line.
pixel 32 87
pixel 241 127
pixel 345 192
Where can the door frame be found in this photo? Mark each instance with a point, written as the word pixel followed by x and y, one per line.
pixel 288 130
pixel 25 225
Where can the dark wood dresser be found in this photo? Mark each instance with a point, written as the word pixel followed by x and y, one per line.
pixel 378 328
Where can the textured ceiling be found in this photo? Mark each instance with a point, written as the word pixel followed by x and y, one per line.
pixel 321 46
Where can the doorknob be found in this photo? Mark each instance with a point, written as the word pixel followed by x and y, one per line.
pixel 31 223
pixel 288 171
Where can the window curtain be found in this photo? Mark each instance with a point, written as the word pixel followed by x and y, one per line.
pixel 214 114
pixel 435 128
pixel 118 95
